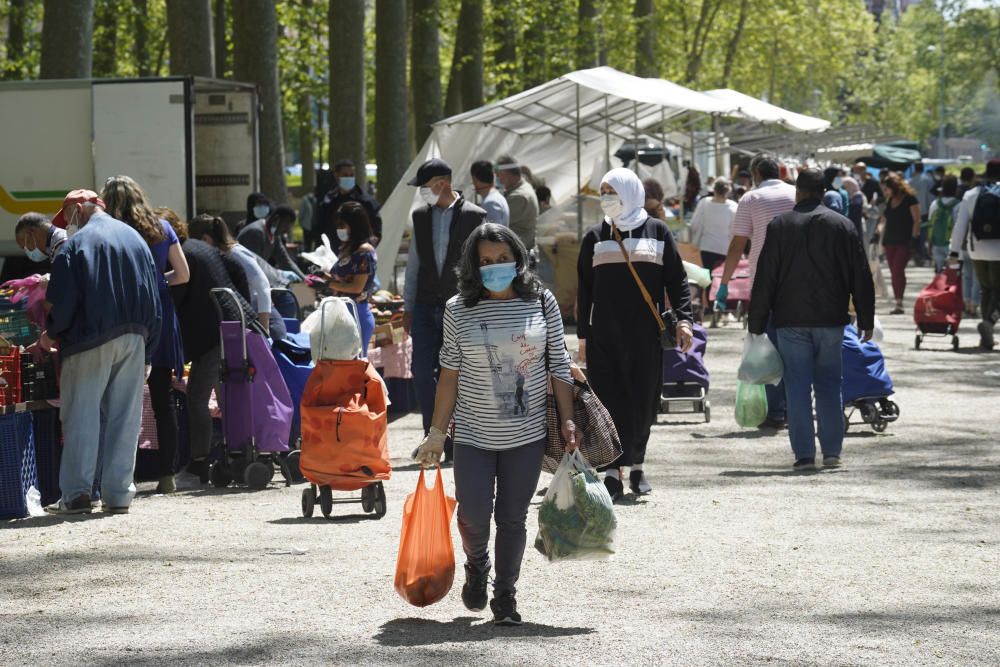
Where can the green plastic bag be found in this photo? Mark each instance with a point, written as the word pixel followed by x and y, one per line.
pixel 751 404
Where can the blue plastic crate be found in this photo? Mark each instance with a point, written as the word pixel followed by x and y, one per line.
pixel 18 471
pixel 48 452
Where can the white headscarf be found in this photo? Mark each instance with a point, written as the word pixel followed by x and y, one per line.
pixel 633 196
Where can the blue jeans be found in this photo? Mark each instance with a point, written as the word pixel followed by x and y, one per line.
pixel 970 283
pixel 775 394
pixel 101 411
pixel 813 362
pixel 427 332
pixel 367 323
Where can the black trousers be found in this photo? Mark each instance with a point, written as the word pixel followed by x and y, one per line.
pixel 626 374
pixel 166 418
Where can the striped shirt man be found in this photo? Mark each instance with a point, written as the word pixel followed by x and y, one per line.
pixel 498 348
pixel 757 209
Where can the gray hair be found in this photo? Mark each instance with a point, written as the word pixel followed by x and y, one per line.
pixel 721 187
pixel 470 284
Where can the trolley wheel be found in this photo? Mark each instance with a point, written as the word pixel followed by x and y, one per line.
pixel 917 341
pixel 326 500
pixel 368 498
pixel 308 501
pixel 954 343
pixel 879 425
pixel 292 462
pixel 708 411
pixel 257 475
pixel 220 475
pixel 379 493
pixel 891 408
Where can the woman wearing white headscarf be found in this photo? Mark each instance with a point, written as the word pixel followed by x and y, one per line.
pixel 619 337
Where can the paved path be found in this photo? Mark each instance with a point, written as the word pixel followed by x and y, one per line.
pixel 733 559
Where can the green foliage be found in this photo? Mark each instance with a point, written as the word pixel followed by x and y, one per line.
pixel 26 66
pixel 302 61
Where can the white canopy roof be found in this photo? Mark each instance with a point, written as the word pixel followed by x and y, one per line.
pixel 759 110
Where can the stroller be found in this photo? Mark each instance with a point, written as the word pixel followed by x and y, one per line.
pixel 939 307
pixel 866 386
pixel 295 363
pixel 256 405
pixel 685 378
pixel 344 431
pixel 738 300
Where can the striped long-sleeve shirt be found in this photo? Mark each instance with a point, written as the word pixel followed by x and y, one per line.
pixel 498 348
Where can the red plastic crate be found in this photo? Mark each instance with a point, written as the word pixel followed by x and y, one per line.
pixel 10 377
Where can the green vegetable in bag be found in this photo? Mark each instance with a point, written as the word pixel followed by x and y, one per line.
pixel 576 519
pixel 751 404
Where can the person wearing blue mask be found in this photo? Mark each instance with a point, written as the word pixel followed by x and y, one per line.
pixel 498 332
pixel 38 237
pixel 345 188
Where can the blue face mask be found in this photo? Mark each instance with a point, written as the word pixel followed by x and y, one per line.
pixel 261 211
pixel 346 182
pixel 35 254
pixel 498 277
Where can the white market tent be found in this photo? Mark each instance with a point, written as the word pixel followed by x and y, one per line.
pixel 561 130
pixel 764 112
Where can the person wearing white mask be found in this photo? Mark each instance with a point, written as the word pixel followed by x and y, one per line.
pixel 345 188
pixel 619 336
pixel 38 237
pixel 440 226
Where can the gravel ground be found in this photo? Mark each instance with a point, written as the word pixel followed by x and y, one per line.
pixel 734 559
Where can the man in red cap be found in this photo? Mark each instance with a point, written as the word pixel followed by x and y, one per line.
pixel 105 316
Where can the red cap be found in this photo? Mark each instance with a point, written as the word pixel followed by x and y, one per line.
pixel 75 197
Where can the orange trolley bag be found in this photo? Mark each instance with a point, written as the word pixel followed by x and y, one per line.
pixel 344 434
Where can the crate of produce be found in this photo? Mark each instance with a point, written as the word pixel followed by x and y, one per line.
pixel 391 333
pixel 48 452
pixel 10 375
pixel 16 328
pixel 18 471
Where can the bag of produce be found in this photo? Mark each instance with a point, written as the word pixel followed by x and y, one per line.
pixel 576 519
pixel 761 363
pixel 425 568
pixel 751 404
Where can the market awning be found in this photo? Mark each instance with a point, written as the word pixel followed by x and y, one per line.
pixel 761 111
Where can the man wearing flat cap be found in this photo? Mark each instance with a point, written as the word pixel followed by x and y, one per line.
pixel 440 227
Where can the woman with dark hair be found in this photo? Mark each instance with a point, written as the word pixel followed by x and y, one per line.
pixel 501 331
pixel 654 199
pixel 125 201
pixel 692 188
pixel 258 207
pixel 898 229
pixel 354 273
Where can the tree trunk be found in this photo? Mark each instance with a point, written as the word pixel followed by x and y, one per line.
pixel 306 152
pixel 734 44
pixel 189 29
pixel 140 31
pixel 586 35
pixel 220 25
pixel 67 39
pixel 14 69
pixel 106 38
pixel 425 68
pixel 348 131
pixel 505 56
pixel 392 140
pixel 255 59
pixel 465 82
pixel 645 39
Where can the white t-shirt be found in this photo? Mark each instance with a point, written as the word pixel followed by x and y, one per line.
pixel 711 225
pixel 498 348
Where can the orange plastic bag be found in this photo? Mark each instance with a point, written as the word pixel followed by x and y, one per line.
pixel 344 424
pixel 425 568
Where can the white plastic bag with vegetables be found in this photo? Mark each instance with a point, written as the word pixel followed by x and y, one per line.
pixel 576 519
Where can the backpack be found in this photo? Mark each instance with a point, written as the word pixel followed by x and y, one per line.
pixel 944 220
pixel 986 215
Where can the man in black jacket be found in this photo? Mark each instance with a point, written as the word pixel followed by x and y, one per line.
pixel 440 228
pixel 812 264
pixel 345 189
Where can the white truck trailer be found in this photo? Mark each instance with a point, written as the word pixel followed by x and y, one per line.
pixel 191 143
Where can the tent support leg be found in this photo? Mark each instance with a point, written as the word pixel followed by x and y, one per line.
pixel 635 130
pixel 579 170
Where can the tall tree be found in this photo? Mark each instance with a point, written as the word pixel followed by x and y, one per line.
pixel 14 67
pixel 189 30
pixel 255 59
pixel 586 34
pixel 106 38
pixel 307 153
pixel 392 140
pixel 645 39
pixel 348 130
pixel 140 32
pixel 425 68
pixel 505 15
pixel 696 37
pixel 733 48
pixel 221 23
pixel 465 82
pixel 67 38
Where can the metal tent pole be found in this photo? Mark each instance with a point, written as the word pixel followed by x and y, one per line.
pixel 579 171
pixel 635 130
pixel 607 134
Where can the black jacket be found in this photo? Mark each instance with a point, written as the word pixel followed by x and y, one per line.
pixel 812 263
pixel 193 301
pixel 326 213
pixel 434 289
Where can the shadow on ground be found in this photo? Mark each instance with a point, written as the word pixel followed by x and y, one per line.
pixel 425 632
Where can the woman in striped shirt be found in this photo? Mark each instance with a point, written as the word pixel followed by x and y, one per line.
pixel 500 333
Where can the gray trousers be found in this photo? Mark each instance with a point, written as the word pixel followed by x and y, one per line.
pixel 202 379
pixel 513 476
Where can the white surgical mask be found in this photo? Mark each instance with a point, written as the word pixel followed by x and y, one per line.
pixel 344 235
pixel 71 229
pixel 428 196
pixel 611 205
pixel 837 182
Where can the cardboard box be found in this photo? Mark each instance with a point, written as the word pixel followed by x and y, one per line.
pixel 388 334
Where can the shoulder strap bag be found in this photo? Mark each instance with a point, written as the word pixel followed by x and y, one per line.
pixel 668 320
